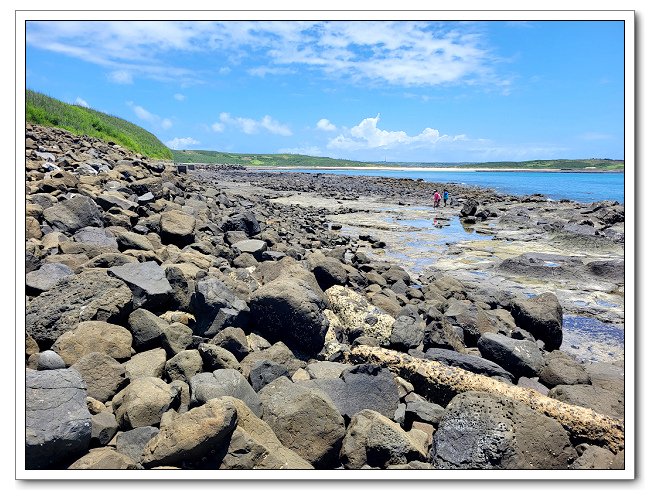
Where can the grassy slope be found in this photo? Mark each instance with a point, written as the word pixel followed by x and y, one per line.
pixel 289 160
pixel 44 110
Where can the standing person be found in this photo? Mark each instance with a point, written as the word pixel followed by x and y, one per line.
pixel 445 197
pixel 436 199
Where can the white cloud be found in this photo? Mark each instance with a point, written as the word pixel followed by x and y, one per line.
pixel 407 53
pixel 595 136
pixel 181 142
pixel 366 135
pixel 325 124
pixel 80 102
pixel 121 76
pixel 251 126
pixel 180 97
pixel 148 116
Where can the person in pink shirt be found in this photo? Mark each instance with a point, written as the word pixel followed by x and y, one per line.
pixel 436 199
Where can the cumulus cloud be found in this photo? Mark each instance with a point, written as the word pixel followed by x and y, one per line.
pixel 148 116
pixel 81 102
pixel 179 97
pixel 251 126
pixel 367 135
pixel 325 124
pixel 181 142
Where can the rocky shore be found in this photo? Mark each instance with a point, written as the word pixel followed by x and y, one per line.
pixel 231 319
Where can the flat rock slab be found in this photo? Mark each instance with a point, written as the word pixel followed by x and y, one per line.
pixel 146 280
pixel 254 247
pixel 58 427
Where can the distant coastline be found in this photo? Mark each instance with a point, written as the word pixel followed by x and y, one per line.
pixel 438 169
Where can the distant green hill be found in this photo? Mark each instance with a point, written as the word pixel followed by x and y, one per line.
pixel 291 160
pixel 45 110
pixel 266 160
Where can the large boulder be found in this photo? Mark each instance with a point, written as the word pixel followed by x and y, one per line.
pixel 407 333
pixel 356 314
pixel 224 382
pixel 177 227
pixel 522 358
pixel 254 445
pixel 184 365
pixel 103 376
pixel 147 281
pixel 57 420
pixel 94 336
pixel 147 329
pixel 485 431
pixel 561 369
pixel 146 364
pixel 359 388
pixel 374 440
pixel 305 420
pixel 542 317
pixel 244 221
pixel 599 399
pixel 90 295
pixel 192 435
pixel 143 402
pixel 291 311
pixel 216 307
pixel 327 270
pixel 46 277
pixel 75 213
pixel 278 353
pixel 102 459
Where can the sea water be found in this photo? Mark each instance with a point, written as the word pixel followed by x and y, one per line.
pixel 584 187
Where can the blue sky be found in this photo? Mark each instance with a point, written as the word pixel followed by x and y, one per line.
pixel 400 91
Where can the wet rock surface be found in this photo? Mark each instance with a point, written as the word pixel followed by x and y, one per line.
pixel 205 316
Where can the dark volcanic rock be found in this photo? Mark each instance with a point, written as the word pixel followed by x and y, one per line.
pixel 70 215
pixel 483 431
pixel 217 307
pixel 560 369
pixel 359 388
pixel 265 371
pixel 48 276
pixel 147 281
pixel 374 440
pixel 245 221
pixel 147 329
pixel 57 419
pixel 305 420
pixel 131 443
pixel 225 382
pixel 542 317
pixel 291 311
pixel 90 295
pixel 469 208
pixel 407 333
pixel 522 358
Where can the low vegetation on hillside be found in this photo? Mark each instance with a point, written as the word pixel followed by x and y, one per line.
pixel 44 110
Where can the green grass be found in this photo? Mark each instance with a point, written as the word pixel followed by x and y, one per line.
pixel 44 110
pixel 289 160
